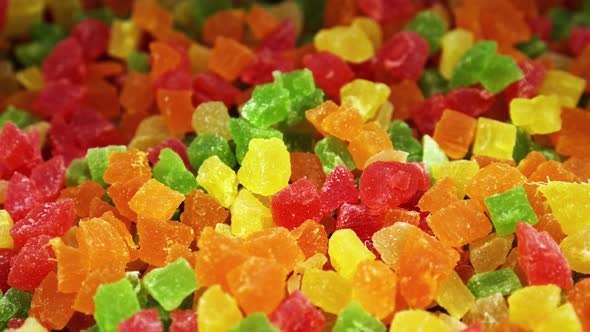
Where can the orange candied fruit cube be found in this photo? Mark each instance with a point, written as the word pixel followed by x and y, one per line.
pixel 72 266
pixel 581 66
pixel 339 12
pixel 227 23
pixel 156 238
pixel 371 140
pixel 155 200
pixel 177 108
pixel 529 164
pixel 164 58
pixel 275 243
pixel 148 15
pixel 82 195
pixel 316 115
pixel 84 301
pixel 312 238
pixel 578 166
pixel 202 210
pixel 579 297
pixel 454 133
pixel 137 95
pixel 405 96
pixel 401 215
pixel 493 179
pixel 122 192
pixel 51 307
pixel 345 123
pixel 104 69
pixel 484 161
pixel 574 137
pixel 229 58
pixel 101 244
pixel 127 165
pixel 442 194
pixel 548 223
pixel 308 165
pixel 460 223
pixel 552 170
pixel 261 22
pixel 374 286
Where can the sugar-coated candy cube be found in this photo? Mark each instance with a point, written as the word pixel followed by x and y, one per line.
pixel 158 237
pixel 454 133
pixel 374 287
pixel 454 296
pixel 183 321
pixel 114 302
pixel 254 322
pixel 249 215
pixel 333 152
pixel 123 166
pixel 454 44
pixel 364 96
pixel 353 316
pixel 269 105
pixel 346 251
pixel 575 248
pixel 461 171
pixel 488 310
pixel 275 243
pixel 566 86
pixel 390 241
pixel 393 55
pixel 229 58
pixel 487 253
pixel 6 241
pixel 360 219
pixel 494 139
pixel 569 203
pixel 98 161
pixel 499 72
pixel 530 305
pixel 217 311
pixel 430 26
pixel 493 179
pixel 303 93
pixel 171 171
pixel 243 132
pixel 207 145
pixel 296 313
pixel 539 115
pixel 402 138
pixel 298 202
pixel 266 166
pixel 417 320
pixel 211 118
pixel 502 281
pixel 32 264
pixel 169 285
pixel 563 317
pixel 329 71
pixel 14 304
pixel 460 223
pixel 219 180
pixel 155 200
pixel 125 36
pixel 469 68
pixel 348 42
pixel 371 140
pixel 326 289
pixel 508 208
pixel 147 320
pixel 345 123
pixel 177 108
pixel 339 188
pixel 442 194
pixel 432 154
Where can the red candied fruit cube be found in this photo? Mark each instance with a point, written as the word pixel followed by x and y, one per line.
pixel 175 79
pixel 19 151
pixel 15 323
pixel 280 39
pixel 297 314
pixel 260 70
pixel 49 177
pixel 296 203
pixel 387 11
pixel 173 143
pixel 183 321
pixel 579 39
pixel 541 26
pixel 471 101
pixel 404 55
pixel 53 219
pixel 329 71
pixel 541 258
pixel 21 196
pixel 359 218
pixel 5 257
pixel 528 86
pixel 32 264
pixel 146 320
pixel 475 327
pixel 66 61
pixel 215 88
pixel 94 37
pixel 339 188
pixel 59 96
pixel 427 114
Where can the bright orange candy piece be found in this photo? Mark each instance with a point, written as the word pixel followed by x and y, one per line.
pixel 574 137
pixel 529 164
pixel 123 231
pixel 148 15
pixel 552 170
pixel 308 165
pixel 122 192
pixel 405 96
pixel 261 22
pixel 484 161
pixel 374 286
pixel 316 115
pixel 164 58
pixel 339 12
pixel 579 297
pixel 258 284
pixel 229 58
pixel 177 108
pixel 136 95
pixel 454 133
pixel 84 301
pixel 202 210
pixel 578 166
pixel 102 245
pixel 104 69
pixel 548 223
pixel 226 23
pixel 82 195
pixel 177 251
pixel 581 66
pixel 439 196
pixel 345 123
pixel 156 237
pixel 127 165
pixel 275 243
pixel 394 215
pixel 311 238
pixel 370 141
pixel 72 266
pixel 51 308
pixel 156 201
pixel 493 179
pixel 460 223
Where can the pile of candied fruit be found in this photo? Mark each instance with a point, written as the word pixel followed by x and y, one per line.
pixel 295 166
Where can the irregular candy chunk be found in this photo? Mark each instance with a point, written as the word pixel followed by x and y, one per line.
pixel 183 321
pixel 123 166
pixel 454 296
pixel 333 152
pixel 488 253
pixel 266 167
pixel 360 219
pixel 339 188
pixel 65 61
pixel 417 320
pixel 431 27
pixel 155 200
pixel 170 170
pixel 297 314
pixel 494 139
pixel 146 320
pixel 98 161
pixel 114 303
pixel 461 171
pixel 509 208
pixel 295 204
pixel 404 55
pixel 14 304
pixel 338 41
pixel 454 44
pixel 530 305
pixel 269 105
pixel 539 115
pixel 454 133
pixel 460 223
pixel 326 289
pixel 329 71
pixel 374 287
pixel 217 311
pixel 249 215
pixel 502 281
pixel 211 118
pixel 158 237
pixel 93 36
pixel 346 252
pixel 32 264
pixel 311 238
pixel 353 316
pixel 171 284
pixel 575 249
pixel 364 96
pixel 566 86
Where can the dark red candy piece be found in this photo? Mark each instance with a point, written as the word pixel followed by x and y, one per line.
pixel 404 55
pixel 175 79
pixel 387 11
pixel 215 88
pixel 5 257
pixel 19 151
pixel 183 321
pixel 475 327
pixel 66 61
pixel 541 258
pixel 49 177
pixel 329 71
pixel 339 188
pixel 260 70
pixel 94 36
pixel 528 86
pixel 146 320
pixel 173 143
pixel 59 96
pixel 280 39
pixel 32 264
pixel 296 203
pixel 22 196
pixel 470 101
pixel 53 219
pixel 541 26
pixel 384 185
pixel 427 114
pixel 360 219
pixel 579 39
pixel 15 323
pixel 297 314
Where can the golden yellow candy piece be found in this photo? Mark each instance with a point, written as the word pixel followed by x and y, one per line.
pixel 454 44
pixel 454 296
pixel 348 42
pixel 249 215
pixel 567 86
pixel 417 320
pixel 31 78
pixel 217 311
pixel 219 180
pixel 212 117
pixel 530 305
pixel 6 223
pixel 570 204
pixel 365 96
pixel 494 139
pixel 266 168
pixel 346 251
pixel 539 115
pixel 371 28
pixel 125 37
pixel 461 171
pixel 326 289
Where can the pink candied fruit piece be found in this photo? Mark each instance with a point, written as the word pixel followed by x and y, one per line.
pixel 280 39
pixel 339 188
pixel 260 70
pixel 22 196
pixel 471 101
pixel 32 264
pixel 528 86
pixel 5 257
pixel 298 202
pixel 59 96
pixel 215 88
pixel 19 150
pixel 404 55
pixel 541 26
pixel 360 219
pixel 579 39
pixel 427 114
pixel 173 143
pixel 146 320
pixel 49 177
pixel 297 314
pixel 329 71
pixel 93 35
pixel 53 219
pixel 183 321
pixel 387 11
pixel 66 61
pixel 541 258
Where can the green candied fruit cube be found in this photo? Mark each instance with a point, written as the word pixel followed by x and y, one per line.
pixel 508 208
pixel 532 47
pixel 140 291
pixel 303 93
pixel 502 281
pixel 432 154
pixel 562 23
pixel 298 142
pixel 432 82
pixel 47 32
pixel 499 72
pixel 171 284
pixel 313 13
pixel 431 27
pixel 98 161
pixel 256 322
pixel 269 105
pixel 138 61
pixel 402 138
pixel 20 118
pixel 14 304
pixel 207 145
pixel 243 132
pixel 33 53
pixel 354 318
pixel 114 303
pixel 333 152
pixel 103 14
pixel 468 70
pixel 171 171
pixel 78 172
pixel 524 145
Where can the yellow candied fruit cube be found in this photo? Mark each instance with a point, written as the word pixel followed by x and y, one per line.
pixel 570 204
pixel 64 11
pixel 20 16
pixel 384 114
pixel 348 42
pixel 567 86
pixel 371 28
pixel 124 38
pixel 31 78
pixel 417 320
pixel 454 44
pixel 6 223
pixel 390 241
pixel 576 249
pixel 249 215
pixel 562 319
pixel 454 296
pixel 365 96
pixel 494 139
pixel 155 200
pixel 461 171
pixel 539 115
pixel 326 289
pixel 217 311
pixel 199 56
pixel 266 168
pixel 488 253
pixel 150 132
pixel 219 180
pixel 530 305
pixel 346 251
pixel 212 117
